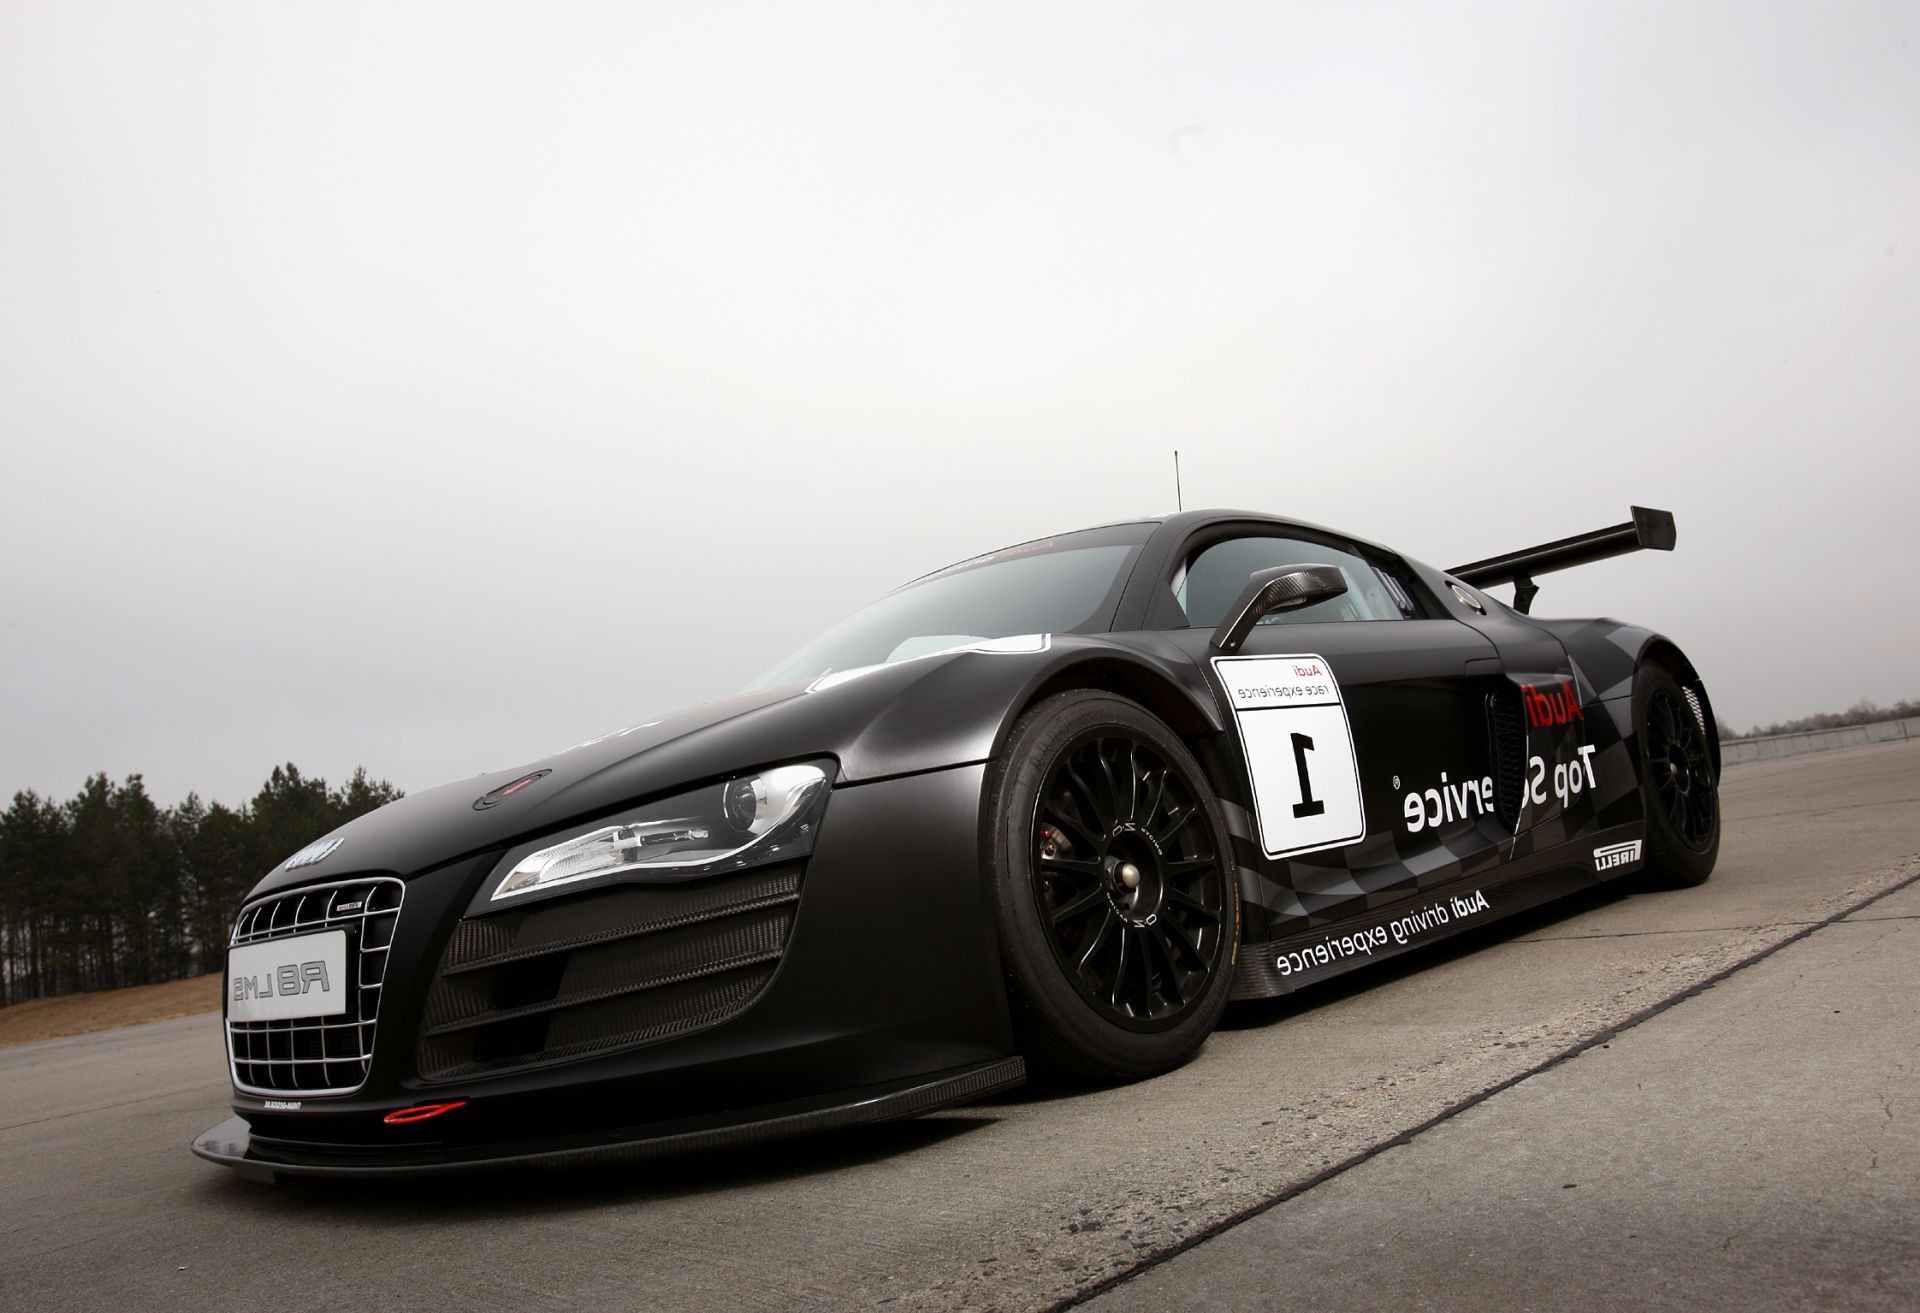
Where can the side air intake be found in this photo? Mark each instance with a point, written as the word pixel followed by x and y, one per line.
pixel 1507 750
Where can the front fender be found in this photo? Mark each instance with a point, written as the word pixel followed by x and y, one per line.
pixel 961 710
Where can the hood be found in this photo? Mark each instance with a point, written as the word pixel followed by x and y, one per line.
pixel 712 740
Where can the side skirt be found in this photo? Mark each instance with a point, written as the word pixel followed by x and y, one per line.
pixel 1281 966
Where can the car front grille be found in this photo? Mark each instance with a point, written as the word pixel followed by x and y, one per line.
pixel 318 1055
pixel 604 971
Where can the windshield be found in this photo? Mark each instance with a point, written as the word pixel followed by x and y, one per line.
pixel 1064 585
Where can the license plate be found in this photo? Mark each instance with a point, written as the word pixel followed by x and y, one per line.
pixel 305 976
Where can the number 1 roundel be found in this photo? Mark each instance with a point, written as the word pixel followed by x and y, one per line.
pixel 1299 747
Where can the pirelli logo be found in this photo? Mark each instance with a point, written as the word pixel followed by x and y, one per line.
pixel 1614 855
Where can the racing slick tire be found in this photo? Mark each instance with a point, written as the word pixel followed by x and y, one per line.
pixel 1115 895
pixel 1679 788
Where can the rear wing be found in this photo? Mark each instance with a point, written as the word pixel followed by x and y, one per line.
pixel 1648 530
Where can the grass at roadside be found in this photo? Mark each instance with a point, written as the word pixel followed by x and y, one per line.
pixel 81 1014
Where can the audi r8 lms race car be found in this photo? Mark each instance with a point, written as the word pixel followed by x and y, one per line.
pixel 1051 807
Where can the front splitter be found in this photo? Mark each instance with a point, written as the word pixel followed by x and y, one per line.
pixel 233 1144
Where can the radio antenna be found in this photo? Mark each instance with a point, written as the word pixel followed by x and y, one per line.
pixel 1179 503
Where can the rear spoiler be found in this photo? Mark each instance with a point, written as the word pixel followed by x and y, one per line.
pixel 1648 530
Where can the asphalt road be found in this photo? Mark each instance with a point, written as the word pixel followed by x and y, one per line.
pixel 1406 1140
pixel 1754 1147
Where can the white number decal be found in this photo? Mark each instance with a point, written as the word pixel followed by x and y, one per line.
pixel 1299 747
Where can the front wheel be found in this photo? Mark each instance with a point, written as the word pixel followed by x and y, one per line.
pixel 1115 893
pixel 1679 789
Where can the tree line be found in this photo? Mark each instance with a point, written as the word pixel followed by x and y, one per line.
pixel 1864 712
pixel 108 889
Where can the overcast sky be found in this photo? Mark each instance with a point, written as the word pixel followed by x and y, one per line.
pixel 434 386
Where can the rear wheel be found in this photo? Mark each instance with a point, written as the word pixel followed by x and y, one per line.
pixel 1679 789
pixel 1115 893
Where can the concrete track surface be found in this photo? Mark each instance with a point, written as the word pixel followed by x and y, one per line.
pixel 1703 1098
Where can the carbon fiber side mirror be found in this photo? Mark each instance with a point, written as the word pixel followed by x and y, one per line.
pixel 1282 588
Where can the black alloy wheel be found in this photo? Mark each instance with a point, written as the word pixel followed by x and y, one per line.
pixel 1128 880
pixel 1116 894
pixel 1679 786
pixel 1681 768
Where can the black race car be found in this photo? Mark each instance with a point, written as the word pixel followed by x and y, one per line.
pixel 1053 806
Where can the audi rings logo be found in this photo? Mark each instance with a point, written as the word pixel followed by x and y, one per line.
pixel 313 853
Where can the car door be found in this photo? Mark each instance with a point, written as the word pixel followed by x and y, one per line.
pixel 1361 725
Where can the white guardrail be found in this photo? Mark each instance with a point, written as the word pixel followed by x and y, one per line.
pixel 1770 746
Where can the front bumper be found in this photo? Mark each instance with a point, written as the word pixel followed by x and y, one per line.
pixel 887 1001
pixel 233 1144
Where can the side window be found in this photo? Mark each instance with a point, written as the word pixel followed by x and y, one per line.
pixel 1212 578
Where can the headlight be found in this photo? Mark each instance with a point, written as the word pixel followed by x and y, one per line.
pixel 769 816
